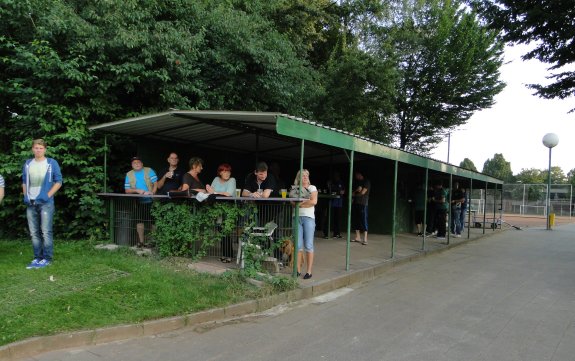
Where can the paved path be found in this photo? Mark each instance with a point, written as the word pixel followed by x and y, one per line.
pixel 510 296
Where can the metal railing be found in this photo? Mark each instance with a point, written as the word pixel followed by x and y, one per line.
pixel 130 214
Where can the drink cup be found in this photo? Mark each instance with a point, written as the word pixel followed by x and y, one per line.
pixel 238 192
pixel 284 193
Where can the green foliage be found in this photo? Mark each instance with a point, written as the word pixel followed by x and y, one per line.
pixel 396 74
pixel 571 177
pixel 357 94
pixel 66 65
pixel 530 176
pixel 256 248
pixel 538 176
pixel 546 24
pixel 282 283
pixel 184 229
pixel 468 164
pixel 498 167
pixel 557 175
pixel 447 65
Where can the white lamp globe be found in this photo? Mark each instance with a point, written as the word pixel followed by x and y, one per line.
pixel 550 140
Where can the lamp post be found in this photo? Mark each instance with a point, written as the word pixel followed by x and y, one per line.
pixel 549 140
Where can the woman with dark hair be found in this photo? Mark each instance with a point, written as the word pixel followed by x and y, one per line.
pixel 224 184
pixel 192 180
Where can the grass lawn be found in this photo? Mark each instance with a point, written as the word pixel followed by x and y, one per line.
pixel 85 288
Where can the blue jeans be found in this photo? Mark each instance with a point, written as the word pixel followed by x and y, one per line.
pixel 456 220
pixel 463 218
pixel 40 218
pixel 306 231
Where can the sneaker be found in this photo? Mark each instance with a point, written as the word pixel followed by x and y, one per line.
pixel 43 263
pixel 33 264
pixel 420 234
pixel 457 236
pixel 337 236
pixel 440 237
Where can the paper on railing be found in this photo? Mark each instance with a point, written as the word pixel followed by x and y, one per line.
pixel 200 197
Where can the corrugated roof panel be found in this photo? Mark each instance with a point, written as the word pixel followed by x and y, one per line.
pixel 257 131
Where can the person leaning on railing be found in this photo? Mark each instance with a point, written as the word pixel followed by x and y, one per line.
pixel 225 185
pixel 260 184
pixel 141 180
pixel 191 180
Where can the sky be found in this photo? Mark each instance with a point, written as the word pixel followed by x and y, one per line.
pixel 516 124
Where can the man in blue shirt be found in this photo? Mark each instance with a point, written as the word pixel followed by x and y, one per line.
pixel 143 181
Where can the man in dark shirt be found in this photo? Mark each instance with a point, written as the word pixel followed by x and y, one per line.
pixel 457 199
pixel 440 198
pixel 260 184
pixel 360 195
pixel 171 176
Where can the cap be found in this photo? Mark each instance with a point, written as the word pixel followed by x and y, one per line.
pixel 136 158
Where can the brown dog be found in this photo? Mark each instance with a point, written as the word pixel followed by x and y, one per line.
pixel 287 251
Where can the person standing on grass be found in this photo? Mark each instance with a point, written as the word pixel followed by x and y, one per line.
pixel 1 189
pixel 41 179
pixel 141 180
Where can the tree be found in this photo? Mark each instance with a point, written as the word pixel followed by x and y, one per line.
pixel 69 64
pixel 548 25
pixel 468 164
pixel 357 89
pixel 530 176
pixel 447 68
pixel 498 167
pixel 557 175
pixel 571 177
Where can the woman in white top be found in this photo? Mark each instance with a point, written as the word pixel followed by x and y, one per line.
pixel 306 223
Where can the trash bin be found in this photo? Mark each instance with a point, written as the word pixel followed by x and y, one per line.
pixel 551 219
pixel 122 230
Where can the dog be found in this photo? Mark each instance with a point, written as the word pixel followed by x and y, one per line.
pixel 287 251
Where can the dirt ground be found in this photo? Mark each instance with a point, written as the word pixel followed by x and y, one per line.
pixel 534 221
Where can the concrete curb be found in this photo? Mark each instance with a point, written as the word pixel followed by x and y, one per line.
pixel 37 345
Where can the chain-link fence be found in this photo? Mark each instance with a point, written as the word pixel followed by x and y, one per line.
pixel 524 199
pixel 530 199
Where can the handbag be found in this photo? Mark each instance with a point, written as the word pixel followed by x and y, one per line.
pixel 294 192
pixel 179 194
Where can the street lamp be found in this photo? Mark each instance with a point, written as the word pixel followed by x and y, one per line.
pixel 549 140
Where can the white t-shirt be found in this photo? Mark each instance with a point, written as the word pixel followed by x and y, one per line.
pixel 309 211
pixel 37 173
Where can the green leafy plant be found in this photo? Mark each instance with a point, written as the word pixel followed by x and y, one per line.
pixel 256 248
pixel 189 229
